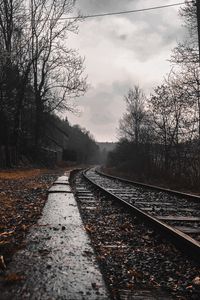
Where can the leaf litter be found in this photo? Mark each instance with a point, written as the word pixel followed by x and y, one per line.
pixel 23 194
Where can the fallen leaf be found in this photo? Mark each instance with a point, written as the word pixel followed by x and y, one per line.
pixel 89 228
pixel 24 227
pixel 189 287
pixel 14 277
pixel 196 281
pixel 4 242
pixel 130 285
pixel 2 263
pixel 6 233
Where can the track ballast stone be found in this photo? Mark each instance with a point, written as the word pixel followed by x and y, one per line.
pixel 135 260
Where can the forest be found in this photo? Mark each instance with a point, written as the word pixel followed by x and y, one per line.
pixel 160 134
pixel 40 78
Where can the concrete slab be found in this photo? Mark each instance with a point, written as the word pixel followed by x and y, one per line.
pixel 61 182
pixel 58 261
pixel 66 178
pixel 60 188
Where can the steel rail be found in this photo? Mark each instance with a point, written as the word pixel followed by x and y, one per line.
pixel 184 242
pixel 152 187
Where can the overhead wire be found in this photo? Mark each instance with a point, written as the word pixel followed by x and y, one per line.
pixel 125 12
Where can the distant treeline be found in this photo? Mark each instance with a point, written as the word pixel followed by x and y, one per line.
pixel 60 141
pixel 76 143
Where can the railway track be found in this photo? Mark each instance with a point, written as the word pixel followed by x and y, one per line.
pixel 137 261
pixel 177 215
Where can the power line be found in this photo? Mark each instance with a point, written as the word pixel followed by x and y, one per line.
pixel 125 12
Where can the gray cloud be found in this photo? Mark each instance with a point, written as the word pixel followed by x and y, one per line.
pixel 121 51
pixel 145 33
pixel 123 37
pixel 102 107
pixel 96 6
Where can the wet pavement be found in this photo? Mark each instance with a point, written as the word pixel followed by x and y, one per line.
pixel 58 261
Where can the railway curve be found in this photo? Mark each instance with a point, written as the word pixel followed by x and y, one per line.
pixel 175 214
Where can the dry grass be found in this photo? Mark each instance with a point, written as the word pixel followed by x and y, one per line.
pixel 20 174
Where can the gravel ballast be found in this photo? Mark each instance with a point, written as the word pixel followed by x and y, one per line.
pixel 133 257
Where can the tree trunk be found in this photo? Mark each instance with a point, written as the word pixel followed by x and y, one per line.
pixel 38 123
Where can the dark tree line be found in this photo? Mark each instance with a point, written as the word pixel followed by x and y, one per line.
pixel 39 73
pixel 160 134
pixel 75 144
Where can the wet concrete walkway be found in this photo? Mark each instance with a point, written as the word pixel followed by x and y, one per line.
pixel 58 262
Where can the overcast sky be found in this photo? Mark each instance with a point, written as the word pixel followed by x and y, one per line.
pixel 120 52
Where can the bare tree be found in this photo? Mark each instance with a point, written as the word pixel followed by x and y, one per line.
pixel 185 58
pixel 187 51
pixel 133 120
pixel 171 113
pixel 189 14
pixel 39 72
pixel 14 69
pixel 57 70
